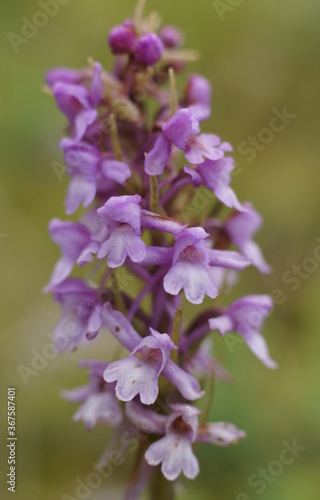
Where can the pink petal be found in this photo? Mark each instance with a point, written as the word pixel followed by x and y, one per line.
pixel 220 433
pixel 258 346
pixel 157 159
pixel 160 223
pixel 81 190
pixel 222 323
pixel 146 420
pixel 253 252
pixel 228 259
pixel 114 170
pixel 102 407
pixel 82 121
pixel 97 88
pixel 180 127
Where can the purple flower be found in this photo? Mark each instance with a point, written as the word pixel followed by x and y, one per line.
pixel 66 75
pixel 77 103
pixel 139 373
pixel 158 157
pixel 191 261
pixel 99 404
pixel 134 223
pixel 198 97
pixel 73 238
pixel 191 237
pixel 89 171
pixel 180 429
pixel 122 217
pixel 205 146
pixel 174 450
pixel 171 36
pixel 81 314
pixel 215 175
pixel 182 131
pixel 246 317
pixel 124 332
pixel 122 39
pixel 198 90
pixel 98 234
pixel 219 433
pixel 240 227
pixel 178 130
pixel 190 270
pixel 148 49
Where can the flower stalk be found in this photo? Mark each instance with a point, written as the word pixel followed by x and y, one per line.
pixel 150 260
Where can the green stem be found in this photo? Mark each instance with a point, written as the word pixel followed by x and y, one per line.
pixel 134 476
pixel 115 138
pixel 154 194
pixel 208 405
pixel 175 335
pixel 161 489
pixel 173 92
pixel 138 15
pixel 118 298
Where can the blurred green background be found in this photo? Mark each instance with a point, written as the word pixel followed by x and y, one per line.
pixel 259 56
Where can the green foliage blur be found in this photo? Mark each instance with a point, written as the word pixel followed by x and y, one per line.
pixel 260 56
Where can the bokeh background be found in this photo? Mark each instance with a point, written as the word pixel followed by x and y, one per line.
pixel 259 56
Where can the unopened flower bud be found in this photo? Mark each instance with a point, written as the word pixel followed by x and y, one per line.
pixel 149 49
pixel 198 90
pixel 171 37
pixel 122 39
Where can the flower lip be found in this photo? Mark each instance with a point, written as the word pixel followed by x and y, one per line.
pixel 139 373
